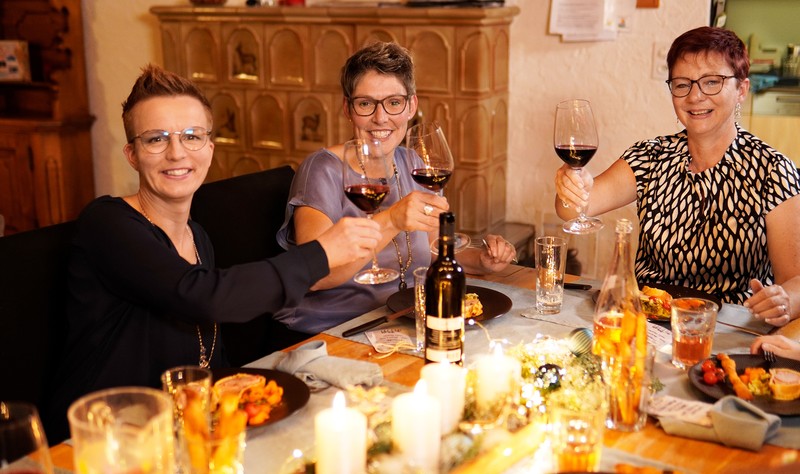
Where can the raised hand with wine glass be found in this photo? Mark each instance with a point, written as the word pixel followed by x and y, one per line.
pixel 575 140
pixel 434 166
pixel 366 174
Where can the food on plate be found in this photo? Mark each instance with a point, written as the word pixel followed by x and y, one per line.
pixel 785 384
pixel 472 306
pixel 757 380
pixel 238 383
pixel 689 303
pixel 729 365
pixel 656 303
pixel 712 374
pixel 254 396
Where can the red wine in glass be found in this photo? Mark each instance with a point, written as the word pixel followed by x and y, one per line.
pixel 576 156
pixel 575 140
pixel 367 197
pixel 365 176
pixel 431 178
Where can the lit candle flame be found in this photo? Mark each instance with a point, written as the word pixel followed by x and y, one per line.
pixel 339 401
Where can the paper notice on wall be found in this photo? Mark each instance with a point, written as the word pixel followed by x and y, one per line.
pixel 590 20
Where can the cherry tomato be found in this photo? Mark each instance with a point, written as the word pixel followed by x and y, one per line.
pixel 720 372
pixel 710 378
pixel 708 365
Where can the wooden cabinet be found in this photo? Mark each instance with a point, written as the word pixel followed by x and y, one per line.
pixel 272 75
pixel 45 145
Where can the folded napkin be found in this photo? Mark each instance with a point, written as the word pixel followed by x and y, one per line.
pixel 312 364
pixel 734 422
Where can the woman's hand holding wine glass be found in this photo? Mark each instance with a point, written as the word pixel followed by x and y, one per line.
pixel 575 140
pixel 366 174
pixel 432 166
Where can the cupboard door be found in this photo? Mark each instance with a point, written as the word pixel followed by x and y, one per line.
pixel 780 132
pixel 17 202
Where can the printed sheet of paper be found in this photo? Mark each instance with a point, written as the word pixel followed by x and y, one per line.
pixel 591 20
pixel 686 410
pixel 390 340
pixel 580 20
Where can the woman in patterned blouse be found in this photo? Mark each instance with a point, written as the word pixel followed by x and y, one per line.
pixel 718 208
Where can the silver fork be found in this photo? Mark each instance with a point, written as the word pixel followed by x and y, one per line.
pixel 769 356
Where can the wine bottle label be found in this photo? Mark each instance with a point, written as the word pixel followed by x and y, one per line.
pixel 444 324
pixel 436 355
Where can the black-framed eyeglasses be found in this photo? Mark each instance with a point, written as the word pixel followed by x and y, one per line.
pixel 709 85
pixel 157 141
pixel 392 105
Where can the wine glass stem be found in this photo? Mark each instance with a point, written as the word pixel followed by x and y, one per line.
pixel 375 268
pixel 581 213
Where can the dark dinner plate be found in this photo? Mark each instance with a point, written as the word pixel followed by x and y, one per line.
pixel 766 402
pixel 295 392
pixel 680 292
pixel 494 303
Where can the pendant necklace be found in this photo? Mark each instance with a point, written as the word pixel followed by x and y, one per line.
pixel 205 357
pixel 407 265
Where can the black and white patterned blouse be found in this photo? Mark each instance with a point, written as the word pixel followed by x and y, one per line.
pixel 708 230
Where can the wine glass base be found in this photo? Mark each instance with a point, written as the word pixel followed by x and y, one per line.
pixel 587 225
pixel 376 276
pixel 462 242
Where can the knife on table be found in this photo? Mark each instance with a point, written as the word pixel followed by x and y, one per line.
pixel 577 286
pixel 377 322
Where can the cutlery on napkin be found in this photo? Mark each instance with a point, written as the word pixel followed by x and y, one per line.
pixel 312 364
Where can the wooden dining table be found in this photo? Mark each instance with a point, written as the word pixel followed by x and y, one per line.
pixel 650 443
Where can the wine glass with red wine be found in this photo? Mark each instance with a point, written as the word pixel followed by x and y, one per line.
pixel 366 174
pixel 432 166
pixel 575 139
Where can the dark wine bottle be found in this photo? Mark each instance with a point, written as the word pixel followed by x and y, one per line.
pixel 445 289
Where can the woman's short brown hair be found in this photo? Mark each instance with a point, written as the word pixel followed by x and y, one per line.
pixel 157 82
pixel 707 39
pixel 384 58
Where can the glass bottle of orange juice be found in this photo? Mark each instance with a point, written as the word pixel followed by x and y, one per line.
pixel 620 337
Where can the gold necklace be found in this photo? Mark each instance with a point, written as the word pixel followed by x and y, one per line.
pixel 205 358
pixel 410 258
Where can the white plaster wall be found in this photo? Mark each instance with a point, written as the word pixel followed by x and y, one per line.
pixel 122 36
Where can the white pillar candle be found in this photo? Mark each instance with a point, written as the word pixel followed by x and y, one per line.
pixel 447 383
pixel 416 428
pixel 496 376
pixel 341 439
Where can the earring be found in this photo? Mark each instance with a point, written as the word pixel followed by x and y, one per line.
pixel 737 112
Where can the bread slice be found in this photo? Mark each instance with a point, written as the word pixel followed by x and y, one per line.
pixel 785 384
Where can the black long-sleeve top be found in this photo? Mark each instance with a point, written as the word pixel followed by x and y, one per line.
pixel 135 305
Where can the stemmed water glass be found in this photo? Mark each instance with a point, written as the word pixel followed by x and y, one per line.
pixel 23 446
pixel 575 140
pixel 366 174
pixel 433 165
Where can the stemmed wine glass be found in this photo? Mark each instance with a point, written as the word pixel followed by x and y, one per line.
pixel 23 446
pixel 433 165
pixel 575 140
pixel 365 174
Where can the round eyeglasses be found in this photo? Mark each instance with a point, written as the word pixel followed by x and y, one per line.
pixel 708 85
pixel 157 141
pixel 392 105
